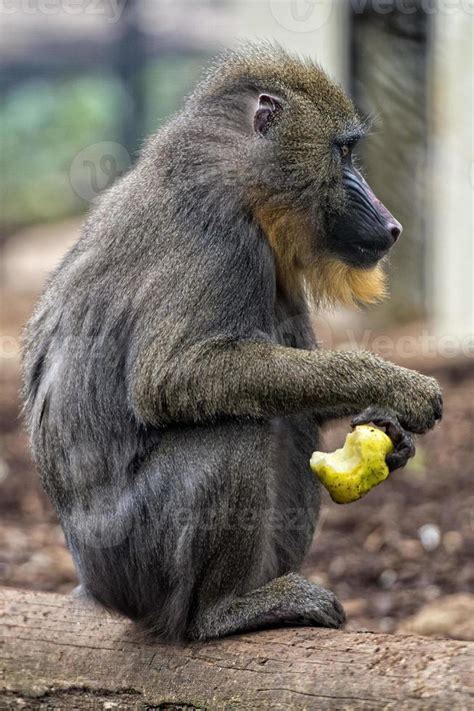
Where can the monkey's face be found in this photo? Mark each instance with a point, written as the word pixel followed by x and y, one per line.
pixel 312 139
pixel 363 231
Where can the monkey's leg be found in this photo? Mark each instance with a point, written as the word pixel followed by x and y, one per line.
pixel 288 600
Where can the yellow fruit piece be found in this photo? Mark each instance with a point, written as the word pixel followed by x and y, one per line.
pixel 349 473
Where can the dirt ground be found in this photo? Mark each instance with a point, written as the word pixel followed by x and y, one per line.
pixel 408 543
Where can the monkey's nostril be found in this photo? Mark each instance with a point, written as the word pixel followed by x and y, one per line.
pixel 395 231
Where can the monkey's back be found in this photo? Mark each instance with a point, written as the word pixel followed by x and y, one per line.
pixel 74 368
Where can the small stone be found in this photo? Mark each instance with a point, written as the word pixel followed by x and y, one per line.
pixel 410 548
pixel 374 541
pixel 452 541
pixel 430 536
pixel 355 606
pixel 431 592
pixel 387 578
pixel 337 566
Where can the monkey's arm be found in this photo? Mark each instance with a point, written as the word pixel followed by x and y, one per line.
pixel 220 377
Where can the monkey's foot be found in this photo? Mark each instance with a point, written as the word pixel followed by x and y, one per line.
pixel 289 600
pixel 403 441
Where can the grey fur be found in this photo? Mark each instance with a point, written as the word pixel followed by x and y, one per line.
pixel 172 390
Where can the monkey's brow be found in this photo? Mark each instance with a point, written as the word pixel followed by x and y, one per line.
pixel 351 136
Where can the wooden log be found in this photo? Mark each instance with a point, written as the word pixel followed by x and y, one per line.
pixel 60 653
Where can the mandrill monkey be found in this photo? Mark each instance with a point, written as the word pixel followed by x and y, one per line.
pixel 172 381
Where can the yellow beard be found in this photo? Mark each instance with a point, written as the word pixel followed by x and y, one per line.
pixel 333 282
pixel 324 279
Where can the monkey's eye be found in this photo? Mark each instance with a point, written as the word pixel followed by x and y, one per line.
pixel 345 150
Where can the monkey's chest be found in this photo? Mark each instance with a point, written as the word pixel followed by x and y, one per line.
pixel 291 323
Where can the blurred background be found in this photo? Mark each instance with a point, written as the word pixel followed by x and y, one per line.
pixel 84 81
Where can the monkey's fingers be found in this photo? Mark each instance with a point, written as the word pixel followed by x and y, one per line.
pixel 403 451
pixel 383 418
pixel 403 441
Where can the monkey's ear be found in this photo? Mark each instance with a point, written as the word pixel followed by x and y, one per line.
pixel 268 108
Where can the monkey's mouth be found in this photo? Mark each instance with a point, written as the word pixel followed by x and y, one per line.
pixel 362 256
pixel 370 256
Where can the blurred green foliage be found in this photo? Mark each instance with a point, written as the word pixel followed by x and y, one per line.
pixel 47 122
pixel 165 83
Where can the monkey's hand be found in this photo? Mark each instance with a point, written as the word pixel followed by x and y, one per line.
pixel 415 399
pixel 403 441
